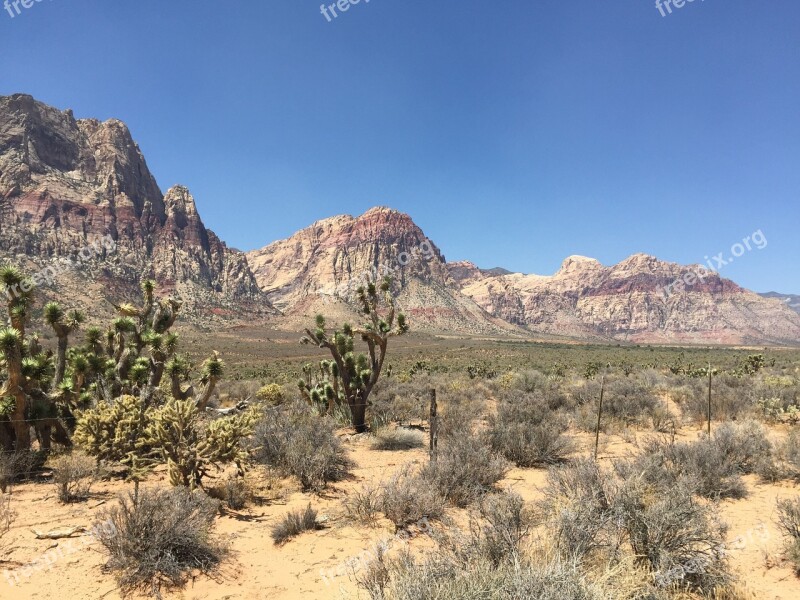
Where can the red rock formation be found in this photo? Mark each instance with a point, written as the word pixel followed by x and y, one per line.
pixel 65 182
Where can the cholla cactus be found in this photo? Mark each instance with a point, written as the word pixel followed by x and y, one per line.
pixel 356 374
pixel 189 449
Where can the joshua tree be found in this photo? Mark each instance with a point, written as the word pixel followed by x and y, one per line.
pixel 29 373
pixel 63 325
pixel 351 378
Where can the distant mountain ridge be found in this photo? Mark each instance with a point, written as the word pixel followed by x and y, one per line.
pixel 791 300
pixel 64 183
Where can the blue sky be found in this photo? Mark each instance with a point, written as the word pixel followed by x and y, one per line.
pixel 515 133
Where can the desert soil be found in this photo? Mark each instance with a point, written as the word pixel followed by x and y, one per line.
pixel 319 564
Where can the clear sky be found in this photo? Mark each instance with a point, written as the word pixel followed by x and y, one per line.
pixel 515 133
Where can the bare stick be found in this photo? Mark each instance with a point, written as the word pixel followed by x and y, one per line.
pixel 709 399
pixel 434 424
pixel 599 416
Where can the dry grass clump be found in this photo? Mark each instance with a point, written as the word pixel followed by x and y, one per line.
pixel 488 562
pixel 73 475
pixel 6 516
pixel 578 509
pixel 298 442
pixel 293 524
pixel 785 460
pixel 157 539
pixel 364 505
pixel 465 470
pixel 399 438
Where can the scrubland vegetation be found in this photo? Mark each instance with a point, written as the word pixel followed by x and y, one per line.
pixel 121 403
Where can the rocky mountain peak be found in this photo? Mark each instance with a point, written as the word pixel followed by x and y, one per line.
pixel 65 182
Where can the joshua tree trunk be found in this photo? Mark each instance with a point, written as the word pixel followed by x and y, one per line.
pixel 205 395
pixel 61 360
pixel 358 414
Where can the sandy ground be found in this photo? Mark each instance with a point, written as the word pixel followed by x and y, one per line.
pixel 317 564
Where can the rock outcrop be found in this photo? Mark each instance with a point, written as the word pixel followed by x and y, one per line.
pixel 66 182
pixel 642 299
pixel 319 269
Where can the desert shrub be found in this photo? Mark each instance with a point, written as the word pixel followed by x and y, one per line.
pixel 630 401
pixel 298 442
pixel 73 475
pixel 159 537
pixel 398 439
pixel 679 540
pixel 732 398
pixel 528 433
pixel 704 464
pixel 506 524
pixel 438 575
pixel 407 499
pixel 231 391
pixel 578 508
pixel 547 389
pixel 789 524
pixel 711 466
pixel 456 419
pixel 465 470
pixel 744 445
pixel 234 491
pixel 785 460
pixel 271 393
pixel 400 401
pixel 293 524
pixel 16 466
pixel 363 505
pixel 585 392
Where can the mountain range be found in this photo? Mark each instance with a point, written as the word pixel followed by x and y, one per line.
pixel 66 182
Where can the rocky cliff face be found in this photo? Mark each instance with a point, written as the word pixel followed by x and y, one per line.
pixel 641 299
pixel 66 182
pixel 319 269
